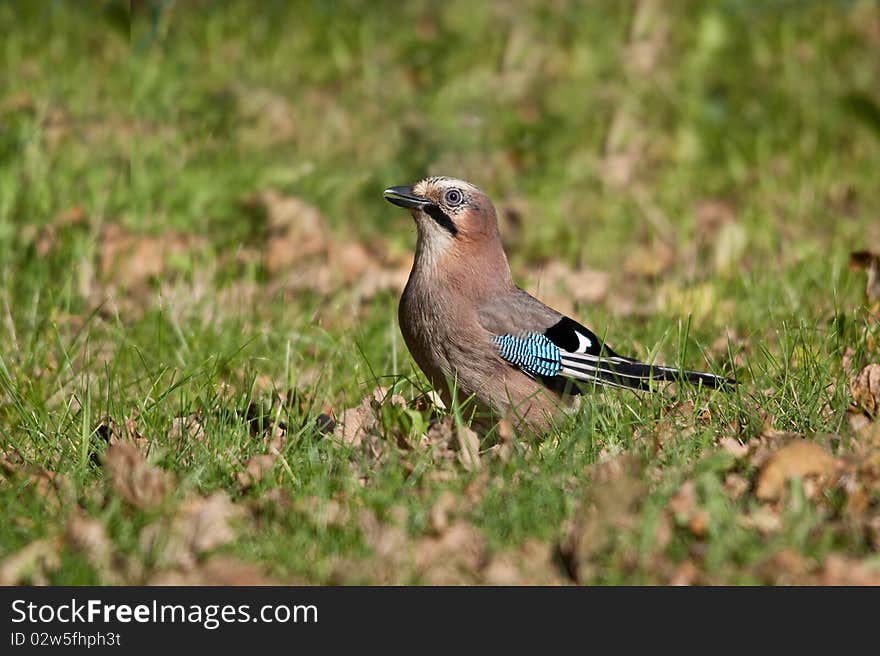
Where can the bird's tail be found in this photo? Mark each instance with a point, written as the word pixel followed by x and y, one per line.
pixel 618 371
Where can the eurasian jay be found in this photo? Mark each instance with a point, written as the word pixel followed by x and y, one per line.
pixel 474 333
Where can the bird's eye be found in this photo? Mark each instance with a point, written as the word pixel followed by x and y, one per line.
pixel 453 197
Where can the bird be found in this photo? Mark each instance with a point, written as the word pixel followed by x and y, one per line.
pixel 477 335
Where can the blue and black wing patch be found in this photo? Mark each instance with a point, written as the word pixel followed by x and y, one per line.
pixel 568 351
pixel 533 353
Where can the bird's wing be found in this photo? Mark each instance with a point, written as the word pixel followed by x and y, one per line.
pixel 554 348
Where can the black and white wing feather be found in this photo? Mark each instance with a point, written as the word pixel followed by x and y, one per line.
pixel 556 349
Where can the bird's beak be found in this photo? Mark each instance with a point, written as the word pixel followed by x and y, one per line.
pixel 404 197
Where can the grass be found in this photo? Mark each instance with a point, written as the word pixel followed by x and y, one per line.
pixel 619 130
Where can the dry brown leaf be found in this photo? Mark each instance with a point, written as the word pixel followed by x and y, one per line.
pixel 255 469
pixel 448 442
pixel 711 215
pixel 684 502
pixel 55 489
pixel 441 510
pixel 761 448
pixel 358 422
pixel 730 246
pixel 205 522
pixel 506 434
pixel 735 485
pixel 88 536
pixel 859 422
pixel 377 280
pixel 352 261
pixel 455 555
pixel 685 573
pixel 452 558
pixel 684 506
pixel 322 512
pixel 390 545
pixel 614 493
pixel 297 230
pixel 113 433
pixel 734 447
pixel 216 570
pixel 468 448
pixel 865 389
pixel 31 564
pixel 198 525
pixel 841 570
pixel 785 567
pixel 534 563
pixel 873 528
pixel 578 285
pixel 649 37
pixel 798 459
pixel 360 428
pixel 131 260
pixel 764 520
pixel 134 479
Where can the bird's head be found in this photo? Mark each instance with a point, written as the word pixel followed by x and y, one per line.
pixel 458 233
pixel 447 210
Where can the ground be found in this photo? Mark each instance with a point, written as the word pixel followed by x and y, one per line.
pixel 201 374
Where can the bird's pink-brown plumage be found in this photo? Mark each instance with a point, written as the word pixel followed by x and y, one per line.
pixel 460 300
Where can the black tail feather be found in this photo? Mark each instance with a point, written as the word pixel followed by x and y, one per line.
pixel 624 372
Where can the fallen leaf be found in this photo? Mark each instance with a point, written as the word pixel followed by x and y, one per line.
pixel 684 502
pixel 686 573
pixel 255 470
pixel 865 390
pixel 734 447
pixel 198 525
pixel 580 285
pixel 441 510
pixel 711 215
pixel 454 557
pixel 31 564
pixel 764 520
pixel 88 536
pixel 613 495
pixel 468 448
pixel 841 570
pixel 322 512
pixel 357 422
pixel 735 485
pixel 132 478
pixel 534 563
pixel 55 489
pixel 797 460
pixel 785 567
pixel 296 230
pixel 113 432
pixel 448 441
pixel 130 260
pixel 216 570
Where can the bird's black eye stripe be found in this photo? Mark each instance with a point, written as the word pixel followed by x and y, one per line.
pixel 441 218
pixel 453 197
